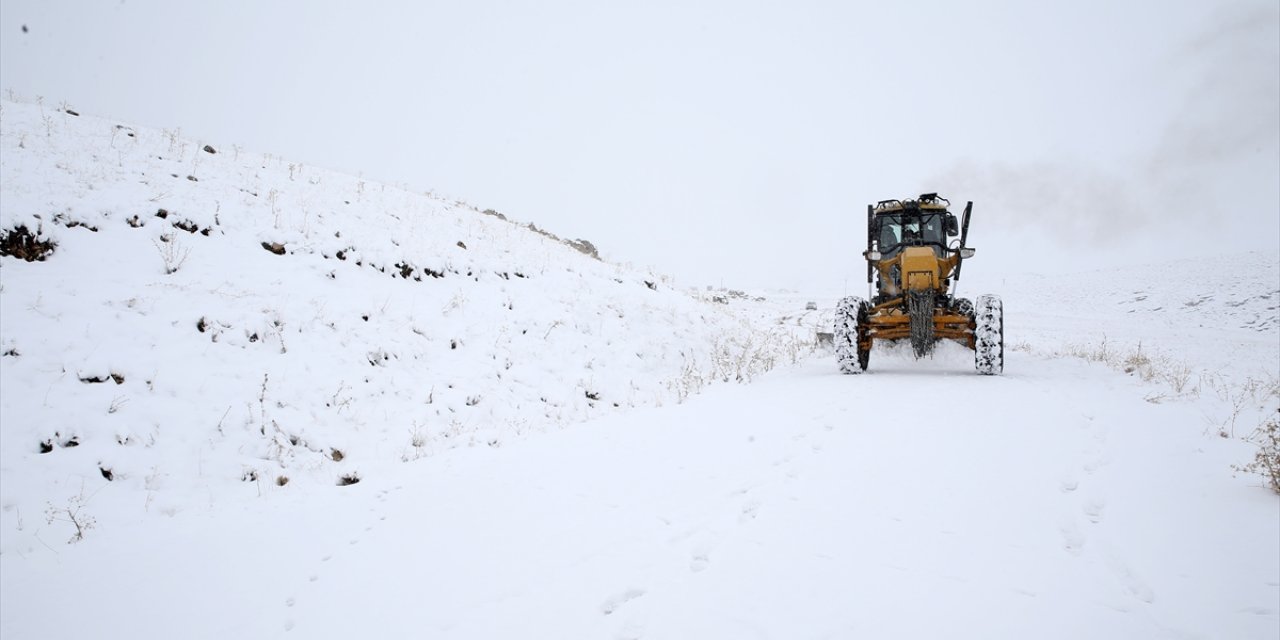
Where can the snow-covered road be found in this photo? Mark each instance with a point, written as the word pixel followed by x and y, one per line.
pixel 918 501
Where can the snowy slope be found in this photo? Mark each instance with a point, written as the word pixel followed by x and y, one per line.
pixel 394 325
pixel 1085 493
pixel 1220 314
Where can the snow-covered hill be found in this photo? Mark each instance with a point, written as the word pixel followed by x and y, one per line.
pixel 213 321
pixel 246 398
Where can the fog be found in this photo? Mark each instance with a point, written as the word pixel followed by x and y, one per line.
pixel 732 143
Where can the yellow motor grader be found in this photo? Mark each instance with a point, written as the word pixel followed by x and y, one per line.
pixel 913 256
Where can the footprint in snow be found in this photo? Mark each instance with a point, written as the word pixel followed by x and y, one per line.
pixel 749 511
pixel 1072 539
pixel 698 563
pixel 631 631
pixel 1070 485
pixel 701 558
pixel 1093 510
pixel 1132 583
pixel 614 602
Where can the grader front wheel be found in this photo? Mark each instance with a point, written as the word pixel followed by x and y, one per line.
pixel 988 354
pixel 853 348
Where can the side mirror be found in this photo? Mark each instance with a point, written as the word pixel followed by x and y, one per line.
pixel 967 252
pixel 952 227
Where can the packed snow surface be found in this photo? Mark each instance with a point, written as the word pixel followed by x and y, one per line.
pixel 423 421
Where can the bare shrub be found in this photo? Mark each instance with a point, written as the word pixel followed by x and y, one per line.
pixel 741 359
pixel 418 440
pixel 1176 376
pixel 1136 360
pixel 1266 461
pixel 1150 367
pixel 72 514
pixel 172 253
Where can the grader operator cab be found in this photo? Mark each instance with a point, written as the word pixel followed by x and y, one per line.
pixel 913 257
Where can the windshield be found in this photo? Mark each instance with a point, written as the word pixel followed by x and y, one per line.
pixel 910 229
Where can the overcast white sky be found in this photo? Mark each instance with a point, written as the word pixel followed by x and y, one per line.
pixel 722 141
